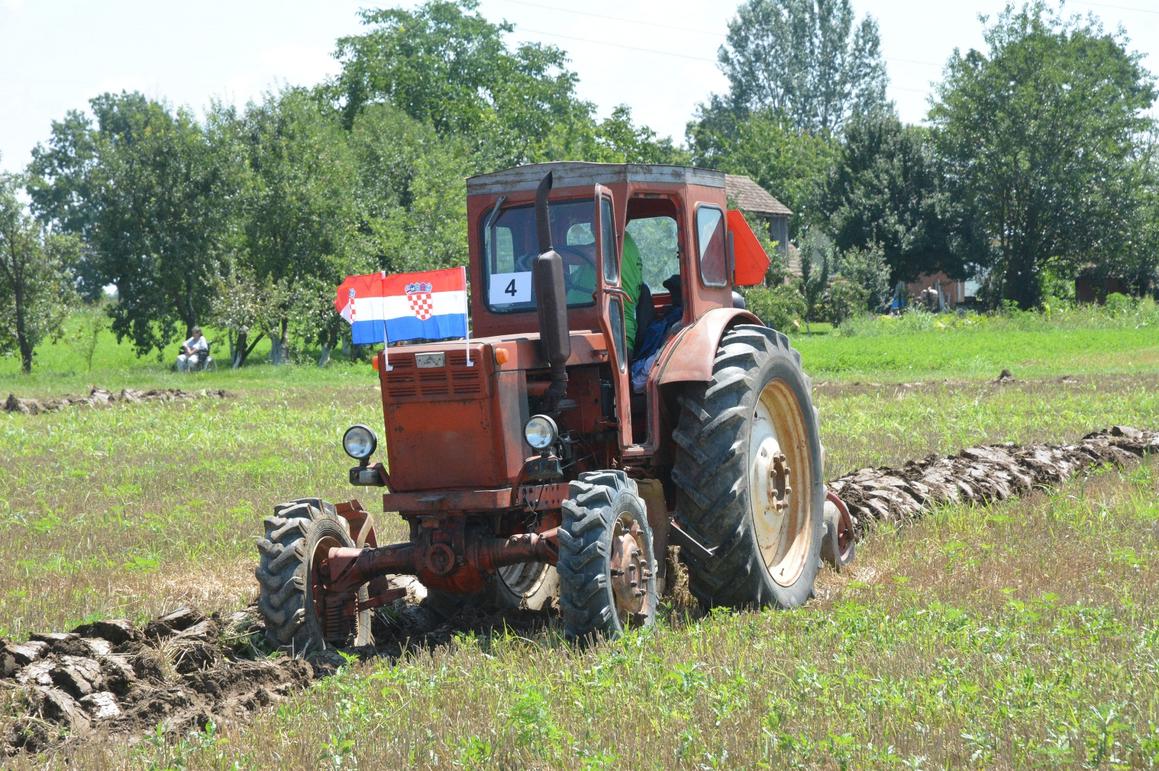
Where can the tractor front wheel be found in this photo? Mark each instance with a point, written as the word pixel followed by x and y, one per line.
pixel 748 475
pixel 299 618
pixel 607 565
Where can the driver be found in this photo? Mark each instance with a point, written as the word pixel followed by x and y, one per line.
pixel 582 282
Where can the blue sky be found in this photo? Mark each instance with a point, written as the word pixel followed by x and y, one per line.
pixel 656 57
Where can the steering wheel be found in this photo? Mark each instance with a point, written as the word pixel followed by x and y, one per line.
pixel 575 256
pixel 571 256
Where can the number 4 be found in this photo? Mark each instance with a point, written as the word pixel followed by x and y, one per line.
pixel 510 290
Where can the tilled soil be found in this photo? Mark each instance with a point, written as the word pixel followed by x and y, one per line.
pixel 982 474
pixel 184 669
pixel 99 397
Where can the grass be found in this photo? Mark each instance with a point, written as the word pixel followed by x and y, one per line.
pixel 1022 634
pixel 923 346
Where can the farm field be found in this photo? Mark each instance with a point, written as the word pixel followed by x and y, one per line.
pixel 1023 633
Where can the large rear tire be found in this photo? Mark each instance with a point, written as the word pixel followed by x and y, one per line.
pixel 607 564
pixel 298 534
pixel 748 475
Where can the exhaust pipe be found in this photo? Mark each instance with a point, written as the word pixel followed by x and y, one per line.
pixel 551 302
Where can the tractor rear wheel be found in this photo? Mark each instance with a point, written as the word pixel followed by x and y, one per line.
pixel 607 565
pixel 748 475
pixel 298 618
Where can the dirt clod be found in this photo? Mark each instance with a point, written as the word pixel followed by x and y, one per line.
pixel 99 397
pixel 115 631
pixel 982 474
pixel 179 675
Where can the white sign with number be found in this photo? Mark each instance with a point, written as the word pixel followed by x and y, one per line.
pixel 510 288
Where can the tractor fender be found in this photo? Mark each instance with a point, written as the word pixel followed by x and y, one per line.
pixel 689 354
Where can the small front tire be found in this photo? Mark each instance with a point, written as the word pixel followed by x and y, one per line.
pixel 298 534
pixel 607 564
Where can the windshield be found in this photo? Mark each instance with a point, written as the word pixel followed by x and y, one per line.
pixel 510 246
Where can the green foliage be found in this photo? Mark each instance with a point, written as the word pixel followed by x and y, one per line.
pixel 92 322
pixel 818 259
pixel 866 269
pixel 1041 136
pixel 300 211
pixel 445 65
pixel 884 189
pixel 411 191
pixel 145 189
pixel 844 299
pixel 806 60
pixel 36 276
pixel 780 306
pixel 792 165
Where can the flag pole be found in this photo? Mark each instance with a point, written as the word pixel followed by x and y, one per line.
pixel 467 318
pixel 385 339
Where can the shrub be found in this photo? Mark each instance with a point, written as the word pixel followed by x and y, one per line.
pixel 781 307
pixel 845 299
pixel 867 269
pixel 1119 304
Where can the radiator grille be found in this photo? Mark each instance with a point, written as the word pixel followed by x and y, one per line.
pixel 455 380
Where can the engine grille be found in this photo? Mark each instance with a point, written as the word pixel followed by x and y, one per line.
pixel 455 380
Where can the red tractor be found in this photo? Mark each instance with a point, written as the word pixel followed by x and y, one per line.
pixel 556 454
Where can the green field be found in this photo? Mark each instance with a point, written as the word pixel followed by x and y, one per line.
pixel 1020 634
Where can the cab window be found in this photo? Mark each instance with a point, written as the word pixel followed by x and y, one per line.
pixel 711 246
pixel 511 245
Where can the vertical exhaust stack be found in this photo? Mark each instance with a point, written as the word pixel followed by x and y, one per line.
pixel 551 302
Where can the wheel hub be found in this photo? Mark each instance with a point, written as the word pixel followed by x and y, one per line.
pixel 334 611
pixel 776 449
pixel 630 572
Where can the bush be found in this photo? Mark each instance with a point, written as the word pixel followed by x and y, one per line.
pixel 781 307
pixel 845 299
pixel 1119 304
pixel 867 269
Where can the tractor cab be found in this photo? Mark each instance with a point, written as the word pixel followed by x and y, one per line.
pixel 638 245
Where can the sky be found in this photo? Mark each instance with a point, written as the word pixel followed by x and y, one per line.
pixel 659 58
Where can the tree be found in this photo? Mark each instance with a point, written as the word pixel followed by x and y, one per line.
pixel 446 65
pixel 817 258
pixel 36 276
pixel 1042 137
pixel 804 59
pixel 152 200
pixel 884 190
pixel 790 164
pixel 299 205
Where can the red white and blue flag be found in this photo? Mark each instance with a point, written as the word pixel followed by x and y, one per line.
pixel 431 305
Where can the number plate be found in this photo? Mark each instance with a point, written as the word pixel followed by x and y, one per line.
pixel 510 288
pixel 430 360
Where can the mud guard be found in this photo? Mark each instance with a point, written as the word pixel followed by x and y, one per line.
pixel 692 350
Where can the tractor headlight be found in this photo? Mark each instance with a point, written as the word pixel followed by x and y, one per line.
pixel 540 432
pixel 359 442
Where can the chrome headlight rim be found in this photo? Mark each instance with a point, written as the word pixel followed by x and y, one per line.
pixel 540 432
pixel 359 442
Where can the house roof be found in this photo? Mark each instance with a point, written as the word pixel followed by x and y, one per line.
pixel 751 197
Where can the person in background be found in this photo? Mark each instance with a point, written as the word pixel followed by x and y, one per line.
pixel 193 351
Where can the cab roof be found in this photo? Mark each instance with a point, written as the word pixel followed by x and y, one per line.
pixel 574 174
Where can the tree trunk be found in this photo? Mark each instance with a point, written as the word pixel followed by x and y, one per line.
pixel 278 345
pixel 22 340
pixel 237 348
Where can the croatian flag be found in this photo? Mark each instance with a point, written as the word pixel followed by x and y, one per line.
pixel 431 305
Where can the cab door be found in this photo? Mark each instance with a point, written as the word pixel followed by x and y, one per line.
pixel 613 301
